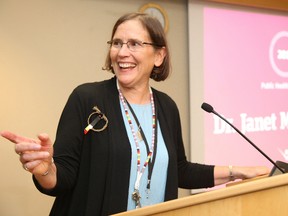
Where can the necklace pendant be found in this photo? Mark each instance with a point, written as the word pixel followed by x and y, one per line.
pixel 139 135
pixel 136 197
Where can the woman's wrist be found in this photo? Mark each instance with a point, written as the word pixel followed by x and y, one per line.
pixel 47 180
pixel 47 172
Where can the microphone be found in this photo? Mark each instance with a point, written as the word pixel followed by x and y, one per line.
pixel 208 108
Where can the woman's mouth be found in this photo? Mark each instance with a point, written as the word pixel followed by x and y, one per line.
pixel 127 65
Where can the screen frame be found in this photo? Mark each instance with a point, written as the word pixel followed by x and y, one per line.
pixel 280 5
pixel 196 69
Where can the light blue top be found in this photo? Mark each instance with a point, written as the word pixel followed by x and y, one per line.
pixel 159 174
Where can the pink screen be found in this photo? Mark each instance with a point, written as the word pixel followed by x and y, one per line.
pixel 246 81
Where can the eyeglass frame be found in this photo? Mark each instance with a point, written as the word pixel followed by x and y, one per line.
pixel 121 43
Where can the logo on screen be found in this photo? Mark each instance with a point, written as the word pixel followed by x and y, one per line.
pixel 278 53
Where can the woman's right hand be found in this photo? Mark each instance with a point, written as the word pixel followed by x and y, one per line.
pixel 36 155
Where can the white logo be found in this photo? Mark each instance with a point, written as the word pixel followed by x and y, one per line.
pixel 282 54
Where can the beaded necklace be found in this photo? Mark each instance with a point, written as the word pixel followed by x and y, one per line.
pixel 135 195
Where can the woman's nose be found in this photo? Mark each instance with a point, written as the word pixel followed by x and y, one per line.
pixel 124 50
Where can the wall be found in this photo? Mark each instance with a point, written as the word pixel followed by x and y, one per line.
pixel 46 49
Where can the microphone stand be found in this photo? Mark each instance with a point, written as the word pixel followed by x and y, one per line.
pixel 268 158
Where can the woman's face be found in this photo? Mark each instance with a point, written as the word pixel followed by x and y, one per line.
pixel 133 68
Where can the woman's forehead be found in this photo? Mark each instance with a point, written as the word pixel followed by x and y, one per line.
pixel 131 29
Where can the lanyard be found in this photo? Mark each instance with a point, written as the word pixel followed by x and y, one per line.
pixel 150 163
pixel 153 144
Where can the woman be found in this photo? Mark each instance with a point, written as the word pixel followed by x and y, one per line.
pixel 134 155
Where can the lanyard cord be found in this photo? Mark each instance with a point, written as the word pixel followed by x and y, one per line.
pixel 151 162
pixel 154 139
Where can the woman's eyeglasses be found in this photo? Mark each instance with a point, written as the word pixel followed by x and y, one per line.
pixel 133 45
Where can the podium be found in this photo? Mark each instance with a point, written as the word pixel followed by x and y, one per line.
pixel 263 196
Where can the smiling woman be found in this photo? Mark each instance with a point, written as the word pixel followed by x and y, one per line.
pixel 64 43
pixel 143 58
pixel 135 160
pixel 156 39
pixel 125 157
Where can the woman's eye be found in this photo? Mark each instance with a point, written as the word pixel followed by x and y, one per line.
pixel 135 43
pixel 116 43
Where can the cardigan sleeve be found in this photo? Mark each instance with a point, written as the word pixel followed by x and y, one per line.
pixel 191 175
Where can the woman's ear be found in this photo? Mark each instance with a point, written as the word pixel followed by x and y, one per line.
pixel 159 56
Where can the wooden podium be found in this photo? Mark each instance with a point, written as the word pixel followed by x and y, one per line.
pixel 264 196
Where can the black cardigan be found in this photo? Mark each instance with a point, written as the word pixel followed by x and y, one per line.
pixel 93 170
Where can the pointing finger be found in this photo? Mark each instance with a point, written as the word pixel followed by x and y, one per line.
pixel 15 138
